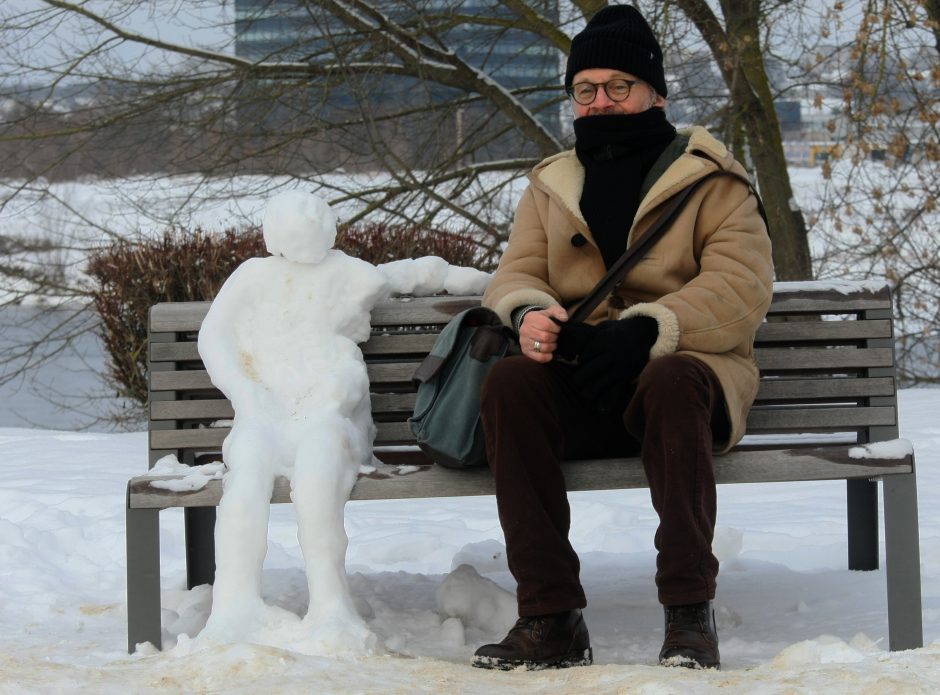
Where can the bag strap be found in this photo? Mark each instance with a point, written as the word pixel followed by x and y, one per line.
pixel 632 255
pixel 449 340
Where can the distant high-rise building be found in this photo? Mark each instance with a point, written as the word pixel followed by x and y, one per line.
pixel 293 30
pixel 275 30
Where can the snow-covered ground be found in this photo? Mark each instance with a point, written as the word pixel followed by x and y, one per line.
pixel 792 619
pixel 429 576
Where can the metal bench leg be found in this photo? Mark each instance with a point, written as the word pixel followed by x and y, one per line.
pixel 143 578
pixel 902 549
pixel 200 545
pixel 862 504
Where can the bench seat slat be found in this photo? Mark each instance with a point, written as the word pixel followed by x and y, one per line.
pixel 819 463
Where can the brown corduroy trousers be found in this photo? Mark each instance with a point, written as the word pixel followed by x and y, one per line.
pixel 534 417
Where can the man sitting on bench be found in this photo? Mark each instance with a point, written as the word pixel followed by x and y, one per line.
pixel 666 367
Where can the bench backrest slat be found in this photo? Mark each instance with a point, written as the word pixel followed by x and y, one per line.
pixel 780 420
pixel 201 409
pixel 808 390
pixel 823 331
pixel 208 439
pixel 773 360
pixel 202 439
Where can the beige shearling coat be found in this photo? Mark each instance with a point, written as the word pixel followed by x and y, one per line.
pixel 708 281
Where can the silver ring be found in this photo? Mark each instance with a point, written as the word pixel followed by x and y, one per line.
pixel 537 345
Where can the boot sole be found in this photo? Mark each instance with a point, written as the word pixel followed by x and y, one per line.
pixel 576 658
pixel 680 661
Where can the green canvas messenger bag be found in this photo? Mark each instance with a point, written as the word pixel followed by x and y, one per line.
pixel 446 421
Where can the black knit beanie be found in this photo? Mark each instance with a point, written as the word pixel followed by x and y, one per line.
pixel 618 38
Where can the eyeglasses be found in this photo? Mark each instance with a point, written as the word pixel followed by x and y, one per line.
pixel 585 93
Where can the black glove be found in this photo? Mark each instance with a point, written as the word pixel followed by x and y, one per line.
pixel 573 339
pixel 609 356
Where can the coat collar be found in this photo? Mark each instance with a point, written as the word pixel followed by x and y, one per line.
pixel 561 176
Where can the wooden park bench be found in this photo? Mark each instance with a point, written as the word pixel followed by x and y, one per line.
pixel 827 384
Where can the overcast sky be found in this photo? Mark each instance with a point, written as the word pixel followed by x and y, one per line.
pixel 202 23
pixel 209 24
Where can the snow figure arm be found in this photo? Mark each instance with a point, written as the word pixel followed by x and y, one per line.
pixel 365 285
pixel 228 359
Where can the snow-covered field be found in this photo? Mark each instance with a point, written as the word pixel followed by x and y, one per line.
pixel 792 619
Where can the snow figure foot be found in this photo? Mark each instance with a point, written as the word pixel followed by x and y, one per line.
pixel 337 633
pixel 247 620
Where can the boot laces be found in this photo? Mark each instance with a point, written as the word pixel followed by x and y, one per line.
pixel 687 616
pixel 533 624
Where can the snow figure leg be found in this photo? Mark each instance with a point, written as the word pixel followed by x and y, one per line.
pixel 241 531
pixel 325 471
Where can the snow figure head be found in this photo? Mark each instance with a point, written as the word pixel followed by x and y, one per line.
pixel 299 226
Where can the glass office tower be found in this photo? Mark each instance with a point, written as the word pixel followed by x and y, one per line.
pixel 299 31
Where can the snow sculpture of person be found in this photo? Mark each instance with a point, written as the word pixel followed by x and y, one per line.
pixel 280 341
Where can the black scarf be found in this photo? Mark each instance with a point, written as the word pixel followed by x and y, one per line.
pixel 617 152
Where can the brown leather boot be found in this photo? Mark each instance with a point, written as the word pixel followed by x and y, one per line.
pixel 558 640
pixel 691 637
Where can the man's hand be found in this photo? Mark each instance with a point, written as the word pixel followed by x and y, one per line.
pixel 538 334
pixel 610 356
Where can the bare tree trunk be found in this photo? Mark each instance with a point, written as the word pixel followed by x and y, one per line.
pixel 933 14
pixel 737 50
